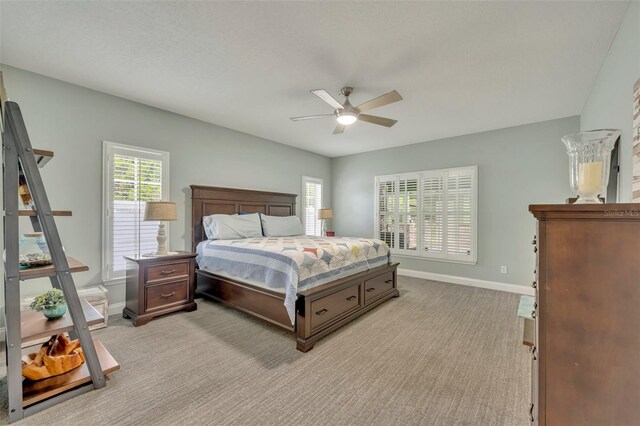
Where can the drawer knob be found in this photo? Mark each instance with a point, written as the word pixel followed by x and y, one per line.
pixel 531 419
pixel 534 284
pixel 168 272
pixel 350 298
pixel 533 314
pixel 168 294
pixel 388 281
pixel 534 240
pixel 534 353
pixel 369 290
pixel 322 312
pixel 535 249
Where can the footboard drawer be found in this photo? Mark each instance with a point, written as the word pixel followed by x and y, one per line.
pixel 333 306
pixel 377 286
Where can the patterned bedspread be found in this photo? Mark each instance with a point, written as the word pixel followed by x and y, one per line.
pixel 292 263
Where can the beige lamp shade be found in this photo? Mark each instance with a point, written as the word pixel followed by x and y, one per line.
pixel 160 211
pixel 325 214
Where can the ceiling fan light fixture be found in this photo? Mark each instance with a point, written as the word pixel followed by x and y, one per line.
pixel 347 117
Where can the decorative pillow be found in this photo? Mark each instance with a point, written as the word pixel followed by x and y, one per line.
pixel 232 227
pixel 281 226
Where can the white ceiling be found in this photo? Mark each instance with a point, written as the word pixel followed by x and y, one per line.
pixel 462 67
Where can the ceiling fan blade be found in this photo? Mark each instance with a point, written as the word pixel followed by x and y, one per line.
pixel 339 129
pixel 387 98
pixel 325 96
pixel 382 121
pixel 310 117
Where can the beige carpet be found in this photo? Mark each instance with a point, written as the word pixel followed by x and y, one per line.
pixel 441 354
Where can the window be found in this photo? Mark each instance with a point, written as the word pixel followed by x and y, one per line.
pixel 312 199
pixel 132 176
pixel 429 214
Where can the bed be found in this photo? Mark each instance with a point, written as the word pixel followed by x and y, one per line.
pixel 326 299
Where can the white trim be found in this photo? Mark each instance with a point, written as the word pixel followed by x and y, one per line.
pixel 471 282
pixel 108 149
pixel 116 308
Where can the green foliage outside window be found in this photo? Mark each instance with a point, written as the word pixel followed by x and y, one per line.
pixel 137 179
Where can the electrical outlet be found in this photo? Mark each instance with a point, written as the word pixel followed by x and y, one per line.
pixel 503 269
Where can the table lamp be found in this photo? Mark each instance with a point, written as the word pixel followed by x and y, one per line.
pixel 324 215
pixel 160 211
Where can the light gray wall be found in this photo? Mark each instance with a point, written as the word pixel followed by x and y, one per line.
pixel 73 121
pixel 518 166
pixel 610 104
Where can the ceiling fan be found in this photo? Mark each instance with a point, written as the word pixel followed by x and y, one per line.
pixel 346 114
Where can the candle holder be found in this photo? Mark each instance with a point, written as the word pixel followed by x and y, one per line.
pixel 589 161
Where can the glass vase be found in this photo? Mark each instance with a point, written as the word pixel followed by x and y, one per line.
pixel 589 162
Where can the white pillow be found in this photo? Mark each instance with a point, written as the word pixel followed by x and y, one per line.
pixel 281 226
pixel 232 227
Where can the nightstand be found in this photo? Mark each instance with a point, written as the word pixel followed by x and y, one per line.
pixel 159 285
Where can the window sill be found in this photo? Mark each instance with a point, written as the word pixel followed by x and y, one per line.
pixel 436 259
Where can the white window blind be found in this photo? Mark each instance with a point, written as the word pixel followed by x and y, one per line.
pixel 312 199
pixel 132 177
pixel 429 214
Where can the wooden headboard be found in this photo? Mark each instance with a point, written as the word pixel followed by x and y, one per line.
pixel 208 200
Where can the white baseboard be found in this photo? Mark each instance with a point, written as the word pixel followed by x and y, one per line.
pixel 472 282
pixel 116 308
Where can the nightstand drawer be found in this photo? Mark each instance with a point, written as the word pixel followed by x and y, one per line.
pixel 168 270
pixel 160 296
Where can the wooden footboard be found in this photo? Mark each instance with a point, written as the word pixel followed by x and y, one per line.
pixel 319 310
pixel 323 309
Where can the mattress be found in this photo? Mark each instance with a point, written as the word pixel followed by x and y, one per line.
pixel 290 264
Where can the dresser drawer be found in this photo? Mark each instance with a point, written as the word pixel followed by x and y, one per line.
pixel 161 296
pixel 168 270
pixel 334 305
pixel 377 286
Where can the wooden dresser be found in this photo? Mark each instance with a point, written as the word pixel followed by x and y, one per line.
pixel 159 285
pixel 586 357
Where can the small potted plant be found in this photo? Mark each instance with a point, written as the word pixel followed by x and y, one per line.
pixel 51 303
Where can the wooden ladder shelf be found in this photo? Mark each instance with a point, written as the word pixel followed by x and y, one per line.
pixel 28 397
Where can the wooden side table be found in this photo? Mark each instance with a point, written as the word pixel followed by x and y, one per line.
pixel 159 285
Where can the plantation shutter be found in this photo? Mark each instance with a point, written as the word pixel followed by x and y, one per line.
pixel 387 210
pixel 433 213
pixel 312 203
pixel 408 213
pixel 459 212
pixel 429 214
pixel 135 176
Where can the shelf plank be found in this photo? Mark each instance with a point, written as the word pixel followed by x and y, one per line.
pixel 42 156
pixel 36 326
pixel 34 392
pixel 35 213
pixel 49 270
